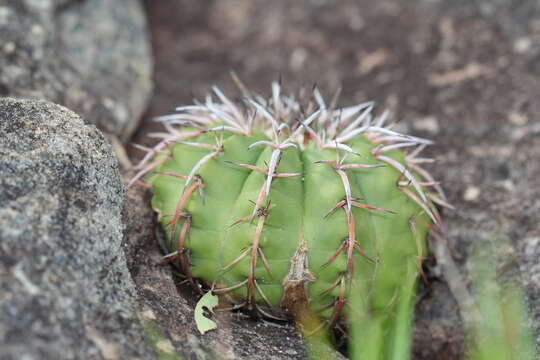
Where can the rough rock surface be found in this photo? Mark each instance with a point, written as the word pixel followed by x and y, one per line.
pixel 65 292
pixel 464 73
pixel 170 305
pixel 92 56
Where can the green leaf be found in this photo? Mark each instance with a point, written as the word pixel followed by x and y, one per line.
pixel 209 302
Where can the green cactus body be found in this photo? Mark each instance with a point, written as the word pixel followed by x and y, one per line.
pixel 289 211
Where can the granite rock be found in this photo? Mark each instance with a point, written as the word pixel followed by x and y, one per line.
pixel 92 56
pixel 65 292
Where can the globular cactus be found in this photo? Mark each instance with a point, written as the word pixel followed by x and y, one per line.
pixel 287 207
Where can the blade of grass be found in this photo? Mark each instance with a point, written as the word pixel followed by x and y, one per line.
pixel 502 332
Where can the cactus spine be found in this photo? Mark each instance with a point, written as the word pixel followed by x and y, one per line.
pixel 286 207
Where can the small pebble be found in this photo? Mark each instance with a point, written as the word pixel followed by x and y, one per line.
pixel 471 193
pixel 522 45
pixel 165 345
pixel 428 124
pixel 517 118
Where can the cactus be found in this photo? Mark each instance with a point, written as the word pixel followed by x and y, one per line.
pixel 287 207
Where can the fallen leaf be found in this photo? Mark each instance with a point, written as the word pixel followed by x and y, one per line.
pixel 208 301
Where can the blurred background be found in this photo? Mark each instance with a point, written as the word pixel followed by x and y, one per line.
pixel 438 62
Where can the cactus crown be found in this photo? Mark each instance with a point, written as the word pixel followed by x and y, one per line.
pixel 287 207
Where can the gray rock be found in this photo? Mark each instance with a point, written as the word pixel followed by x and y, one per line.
pixel 92 56
pixel 65 292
